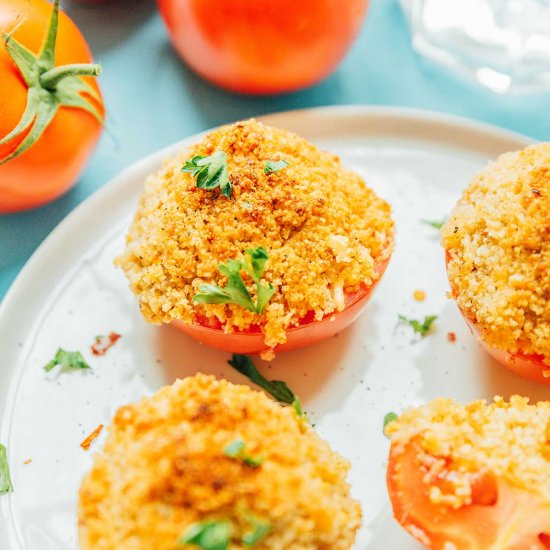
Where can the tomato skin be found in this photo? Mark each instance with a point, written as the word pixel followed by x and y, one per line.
pixel 263 46
pixel 500 517
pixel 308 332
pixel 53 164
pixel 531 366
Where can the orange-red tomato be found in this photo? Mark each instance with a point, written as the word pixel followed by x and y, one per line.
pixel 49 167
pixel 307 332
pixel 499 516
pixel 531 366
pixel 263 46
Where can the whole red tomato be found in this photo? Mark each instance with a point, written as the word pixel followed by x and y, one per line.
pixel 50 111
pixel 263 46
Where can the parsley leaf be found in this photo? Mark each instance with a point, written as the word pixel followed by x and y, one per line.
pixel 297 405
pixel 271 166
pixel 5 481
pixel 208 535
pixel 260 529
pixel 434 223
pixel 210 172
pixel 276 388
pixel 67 360
pixel 235 292
pixel 421 328
pixel 388 418
pixel 235 449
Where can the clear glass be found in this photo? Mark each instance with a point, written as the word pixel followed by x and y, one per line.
pixel 503 44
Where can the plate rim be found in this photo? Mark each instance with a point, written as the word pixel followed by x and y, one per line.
pixel 67 229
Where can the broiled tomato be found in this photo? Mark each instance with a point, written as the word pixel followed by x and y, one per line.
pixel 51 111
pixel 499 516
pixel 263 47
pixel 307 332
pixel 531 366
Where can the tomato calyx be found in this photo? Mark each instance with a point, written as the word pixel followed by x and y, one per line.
pixel 49 87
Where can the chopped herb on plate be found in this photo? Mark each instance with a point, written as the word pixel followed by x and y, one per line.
pixel 208 535
pixel 67 360
pixel 210 172
pixel 235 291
pixel 5 480
pixel 276 388
pixel 271 166
pixel 421 328
pixel 436 224
pixel 235 449
pixel 388 419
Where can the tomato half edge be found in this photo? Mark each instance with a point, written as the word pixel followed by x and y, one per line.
pixel 500 516
pixel 306 333
pixel 530 366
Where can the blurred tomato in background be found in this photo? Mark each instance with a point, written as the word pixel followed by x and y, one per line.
pixel 263 46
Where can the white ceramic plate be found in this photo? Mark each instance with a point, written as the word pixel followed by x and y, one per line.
pixel 70 291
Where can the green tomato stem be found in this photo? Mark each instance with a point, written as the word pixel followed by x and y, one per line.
pixel 50 79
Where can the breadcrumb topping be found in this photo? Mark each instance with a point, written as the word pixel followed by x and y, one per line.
pixel 163 468
pixel 498 244
pixel 323 229
pixel 508 439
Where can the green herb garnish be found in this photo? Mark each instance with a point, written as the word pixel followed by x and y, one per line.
pixel 388 418
pixel 208 535
pixel 67 360
pixel 210 172
pixel 235 292
pixel 5 481
pixel 434 223
pixel 421 327
pixel 271 166
pixel 276 388
pixel 297 406
pixel 235 449
pixel 260 529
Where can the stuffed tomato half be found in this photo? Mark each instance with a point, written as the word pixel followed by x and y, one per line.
pixel 472 477
pixel 254 241
pixel 497 243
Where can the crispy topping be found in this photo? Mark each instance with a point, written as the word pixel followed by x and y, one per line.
pixel 162 470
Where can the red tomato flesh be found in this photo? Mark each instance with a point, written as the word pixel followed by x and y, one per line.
pixel 307 332
pixel 500 517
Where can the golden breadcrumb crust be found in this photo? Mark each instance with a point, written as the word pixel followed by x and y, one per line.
pixel 509 439
pixel 321 226
pixel 498 240
pixel 163 468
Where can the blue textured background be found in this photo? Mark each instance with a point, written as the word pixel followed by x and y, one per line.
pixel 153 100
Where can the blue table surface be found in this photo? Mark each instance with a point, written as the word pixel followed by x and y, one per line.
pixel 153 100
